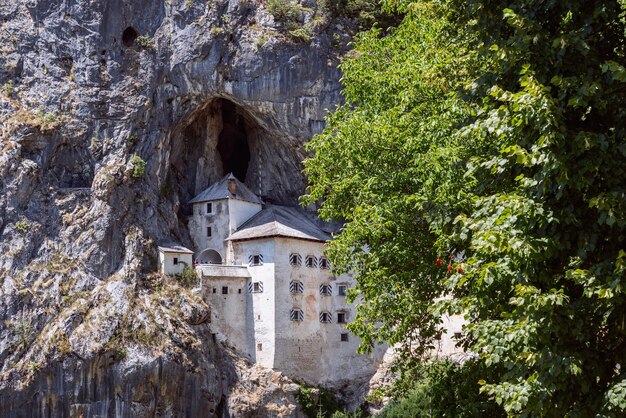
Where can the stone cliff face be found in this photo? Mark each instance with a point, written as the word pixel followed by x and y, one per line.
pixel 113 113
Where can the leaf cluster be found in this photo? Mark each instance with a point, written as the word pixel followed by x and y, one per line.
pixel 489 133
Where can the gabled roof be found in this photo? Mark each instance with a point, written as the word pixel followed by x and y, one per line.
pixel 279 221
pixel 219 191
pixel 172 247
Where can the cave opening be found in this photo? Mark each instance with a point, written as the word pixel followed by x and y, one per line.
pixel 232 143
pixel 128 36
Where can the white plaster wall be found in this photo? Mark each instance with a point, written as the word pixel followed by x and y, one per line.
pixel 311 350
pixel 240 211
pixel 261 305
pixel 229 313
pixel 218 221
pixel 166 262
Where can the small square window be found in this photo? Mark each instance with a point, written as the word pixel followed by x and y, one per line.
pixel 326 290
pixel 296 315
pixel 344 336
pixel 296 286
pixel 326 317
pixel 209 208
pixel 311 261
pixel 239 291
pixel 341 289
pixel 214 290
pixel 175 261
pixel 295 259
pixel 342 317
pixel 259 347
pixel 208 231
pixel 255 260
pixel 224 290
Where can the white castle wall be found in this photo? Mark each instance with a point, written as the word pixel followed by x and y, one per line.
pixel 219 223
pixel 231 318
pixel 261 309
pixel 166 262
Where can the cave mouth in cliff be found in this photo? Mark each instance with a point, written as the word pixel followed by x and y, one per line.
pixel 232 144
pixel 128 36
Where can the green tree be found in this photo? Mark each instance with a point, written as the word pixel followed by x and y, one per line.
pixel 490 135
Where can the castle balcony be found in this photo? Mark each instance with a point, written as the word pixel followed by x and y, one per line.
pixel 222 270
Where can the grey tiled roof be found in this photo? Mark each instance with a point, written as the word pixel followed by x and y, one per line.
pixel 219 191
pixel 172 247
pixel 279 221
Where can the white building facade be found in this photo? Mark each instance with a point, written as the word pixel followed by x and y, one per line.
pixel 273 294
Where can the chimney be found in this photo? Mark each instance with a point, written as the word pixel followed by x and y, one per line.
pixel 232 185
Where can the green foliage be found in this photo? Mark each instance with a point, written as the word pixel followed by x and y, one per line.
pixel 285 11
pixel 187 277
pixel 367 13
pixel 319 403
pixel 22 226
pixel 491 137
pixel 8 89
pixel 145 42
pixel 443 389
pixel 138 165
pixel 303 34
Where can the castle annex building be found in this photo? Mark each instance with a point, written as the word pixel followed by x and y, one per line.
pixel 273 294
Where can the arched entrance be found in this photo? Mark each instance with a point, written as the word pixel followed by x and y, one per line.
pixel 209 256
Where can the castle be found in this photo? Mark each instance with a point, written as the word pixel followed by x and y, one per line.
pixel 272 292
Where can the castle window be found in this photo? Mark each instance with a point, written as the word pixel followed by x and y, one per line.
pixel 342 317
pixel 311 261
pixel 209 208
pixel 214 290
pixel 224 290
pixel 208 231
pixel 324 263
pixel 295 259
pixel 259 347
pixel 344 336
pixel 296 315
pixel 255 259
pixel 255 287
pixel 326 289
pixel 296 286
pixel 175 261
pixel 341 289
pixel 326 317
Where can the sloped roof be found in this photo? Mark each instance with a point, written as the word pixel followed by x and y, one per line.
pixel 219 190
pixel 280 221
pixel 172 247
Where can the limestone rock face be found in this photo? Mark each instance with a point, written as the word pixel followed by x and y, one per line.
pixel 113 114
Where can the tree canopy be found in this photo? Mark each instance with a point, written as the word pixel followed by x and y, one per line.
pixel 479 166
